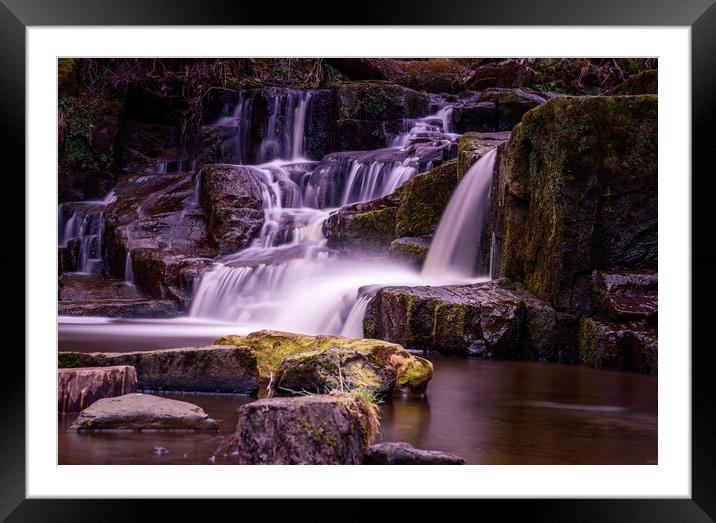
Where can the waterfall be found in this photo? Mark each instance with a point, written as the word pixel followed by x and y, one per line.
pixel 456 242
pixel 353 326
pixel 128 269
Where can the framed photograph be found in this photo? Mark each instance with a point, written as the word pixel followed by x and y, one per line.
pixel 431 237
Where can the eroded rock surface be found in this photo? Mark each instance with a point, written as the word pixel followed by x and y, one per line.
pixel 79 388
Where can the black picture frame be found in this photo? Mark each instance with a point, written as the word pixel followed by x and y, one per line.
pixel 699 15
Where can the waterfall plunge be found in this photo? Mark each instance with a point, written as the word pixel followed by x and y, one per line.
pixel 457 239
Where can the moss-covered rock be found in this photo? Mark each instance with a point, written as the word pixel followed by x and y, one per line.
pixel 411 250
pixel 368 226
pixel 646 82
pixel 333 369
pixel 490 320
pixel 423 199
pixel 273 347
pixel 372 100
pixel 473 145
pixel 495 110
pixel 578 190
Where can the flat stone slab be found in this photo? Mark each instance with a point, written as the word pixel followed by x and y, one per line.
pixel 401 453
pixel 77 389
pixel 119 308
pixel 217 368
pixel 143 412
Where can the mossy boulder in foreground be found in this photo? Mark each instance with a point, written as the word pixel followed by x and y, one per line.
pixel 333 369
pixel 332 429
pixel 577 191
pixel 273 347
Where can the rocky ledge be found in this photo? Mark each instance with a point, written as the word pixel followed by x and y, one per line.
pixel 215 368
pixel 143 412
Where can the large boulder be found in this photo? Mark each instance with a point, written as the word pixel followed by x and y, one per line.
pixel 411 250
pixel 363 226
pixel 272 347
pixel 333 369
pixel 626 295
pixel 215 368
pixel 628 346
pixel 495 110
pixel 232 200
pixel 645 82
pixel 575 191
pixel 138 412
pixel 489 320
pixel 77 389
pixel 401 453
pixel 378 101
pixel 308 430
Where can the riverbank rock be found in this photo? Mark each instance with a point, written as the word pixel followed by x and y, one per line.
pixel 202 369
pixel 307 430
pixel 143 412
pixel 333 369
pixel 401 453
pixel 272 347
pixel 231 198
pixel 628 346
pixel 77 389
pixel 575 191
pixel 490 320
pixel 120 308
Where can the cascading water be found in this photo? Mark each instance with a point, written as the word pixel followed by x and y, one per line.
pixel 456 242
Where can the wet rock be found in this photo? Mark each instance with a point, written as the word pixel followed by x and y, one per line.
pixel 401 453
pixel 333 369
pixel 628 346
pixel 68 256
pixel 646 82
pixel 79 388
pixel 496 109
pixel 577 190
pixel 489 320
pixel 151 147
pixel 309 430
pixel 215 368
pixel 77 185
pixel 119 308
pixel 362 135
pixel 231 199
pixel 320 127
pixel 143 412
pixel 473 145
pixel 378 101
pixel 626 295
pixel 413 250
pixel 85 287
pixel 500 75
pixel 366 226
pixel 272 347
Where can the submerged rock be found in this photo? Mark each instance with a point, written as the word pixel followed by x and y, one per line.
pixel 77 389
pixel 576 191
pixel 401 453
pixel 305 430
pixel 272 347
pixel 333 369
pixel 202 369
pixel 490 320
pixel 143 412
pixel 231 198
pixel 628 346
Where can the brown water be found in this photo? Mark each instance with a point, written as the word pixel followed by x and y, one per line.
pixel 489 412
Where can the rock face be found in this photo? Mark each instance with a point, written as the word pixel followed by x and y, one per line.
pixel 490 320
pixel 495 110
pixel 307 430
pixel 143 412
pixel 576 190
pixel 401 453
pixel 77 389
pixel 411 250
pixel 334 368
pixel 204 369
pixel 629 346
pixel 272 347
pixel 473 145
pixel 626 295
pixel 231 198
